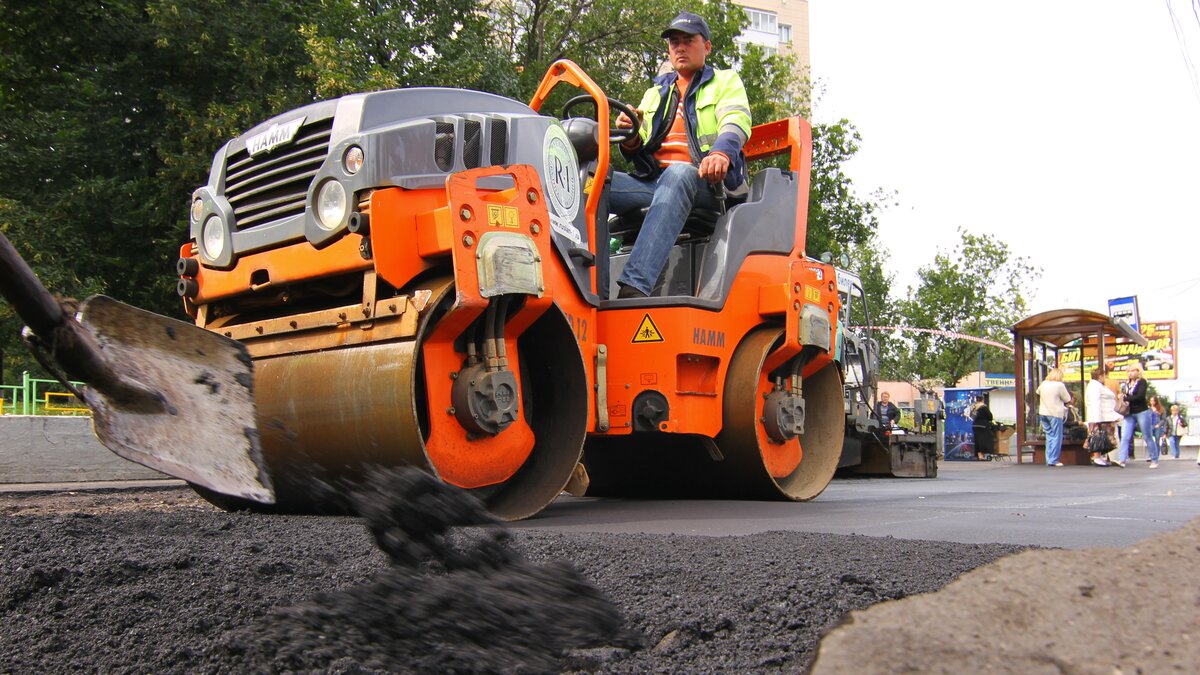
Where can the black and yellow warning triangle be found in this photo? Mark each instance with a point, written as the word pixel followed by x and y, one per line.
pixel 647 331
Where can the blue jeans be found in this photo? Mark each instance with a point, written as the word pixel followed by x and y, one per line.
pixel 671 198
pixel 1142 421
pixel 1053 428
pixel 1174 441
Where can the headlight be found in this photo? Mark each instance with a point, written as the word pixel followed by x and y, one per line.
pixel 197 210
pixel 353 159
pixel 331 205
pixel 214 237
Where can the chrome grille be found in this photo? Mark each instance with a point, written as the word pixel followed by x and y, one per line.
pixel 273 185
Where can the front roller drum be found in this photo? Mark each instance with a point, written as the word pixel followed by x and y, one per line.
pixel 326 417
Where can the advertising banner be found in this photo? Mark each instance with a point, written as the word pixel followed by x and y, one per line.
pixel 959 438
pixel 1157 357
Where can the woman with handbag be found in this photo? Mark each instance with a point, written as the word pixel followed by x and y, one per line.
pixel 1053 398
pixel 1099 403
pixel 1177 427
pixel 1133 395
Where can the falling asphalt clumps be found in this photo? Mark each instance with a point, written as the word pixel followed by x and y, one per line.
pixel 450 601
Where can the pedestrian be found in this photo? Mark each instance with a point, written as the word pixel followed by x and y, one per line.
pixel 1099 401
pixel 1052 408
pixel 1133 392
pixel 982 424
pixel 888 413
pixel 1158 424
pixel 697 120
pixel 1177 427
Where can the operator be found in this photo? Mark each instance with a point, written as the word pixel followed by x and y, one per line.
pixel 889 414
pixel 699 120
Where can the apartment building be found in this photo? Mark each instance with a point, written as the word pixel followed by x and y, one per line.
pixel 779 25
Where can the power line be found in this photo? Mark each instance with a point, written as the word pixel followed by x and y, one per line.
pixel 1182 42
pixel 943 333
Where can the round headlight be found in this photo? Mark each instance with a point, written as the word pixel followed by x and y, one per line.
pixel 331 205
pixel 353 159
pixel 214 237
pixel 197 210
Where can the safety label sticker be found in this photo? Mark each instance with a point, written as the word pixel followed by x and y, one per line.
pixel 503 216
pixel 647 331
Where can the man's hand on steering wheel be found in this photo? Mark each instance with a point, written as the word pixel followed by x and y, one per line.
pixel 624 122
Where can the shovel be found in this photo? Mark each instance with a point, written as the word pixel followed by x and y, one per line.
pixel 163 393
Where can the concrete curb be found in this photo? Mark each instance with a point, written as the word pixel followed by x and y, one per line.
pixel 60 450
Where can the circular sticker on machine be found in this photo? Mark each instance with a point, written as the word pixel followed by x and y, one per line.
pixel 560 172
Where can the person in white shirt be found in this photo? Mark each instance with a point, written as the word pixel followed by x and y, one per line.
pixel 1053 398
pixel 1100 414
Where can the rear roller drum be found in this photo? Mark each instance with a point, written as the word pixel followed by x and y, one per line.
pixel 760 453
pixel 765 455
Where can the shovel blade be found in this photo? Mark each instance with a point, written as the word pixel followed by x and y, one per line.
pixel 205 431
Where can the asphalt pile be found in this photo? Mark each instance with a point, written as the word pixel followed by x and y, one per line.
pixel 463 601
pixel 158 581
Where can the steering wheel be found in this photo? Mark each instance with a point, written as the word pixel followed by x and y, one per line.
pixel 615 135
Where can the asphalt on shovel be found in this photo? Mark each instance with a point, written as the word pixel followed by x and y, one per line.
pixel 163 393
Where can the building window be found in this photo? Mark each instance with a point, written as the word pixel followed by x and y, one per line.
pixel 766 22
pixel 785 33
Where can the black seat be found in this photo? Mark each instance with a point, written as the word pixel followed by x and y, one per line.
pixel 700 224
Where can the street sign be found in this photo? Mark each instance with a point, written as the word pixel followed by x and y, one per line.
pixel 1124 308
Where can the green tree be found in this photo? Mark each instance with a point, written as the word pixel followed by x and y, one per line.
pixel 109 114
pixel 979 290
pixel 367 45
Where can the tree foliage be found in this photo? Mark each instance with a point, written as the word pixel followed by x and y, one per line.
pixel 109 115
pixel 979 290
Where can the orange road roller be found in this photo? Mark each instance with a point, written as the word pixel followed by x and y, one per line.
pixel 426 277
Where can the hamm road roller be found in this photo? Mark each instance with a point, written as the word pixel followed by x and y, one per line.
pixel 426 277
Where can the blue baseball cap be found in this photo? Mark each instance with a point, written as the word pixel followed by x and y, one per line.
pixel 692 24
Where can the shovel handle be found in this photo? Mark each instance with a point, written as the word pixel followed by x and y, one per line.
pixel 72 346
pixel 33 303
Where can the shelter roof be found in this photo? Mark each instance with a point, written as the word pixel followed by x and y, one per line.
pixel 1061 326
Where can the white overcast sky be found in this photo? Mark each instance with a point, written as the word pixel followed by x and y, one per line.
pixel 1068 129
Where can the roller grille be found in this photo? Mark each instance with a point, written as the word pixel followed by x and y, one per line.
pixel 273 185
pixel 443 145
pixel 499 135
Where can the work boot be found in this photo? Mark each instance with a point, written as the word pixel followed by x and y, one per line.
pixel 630 292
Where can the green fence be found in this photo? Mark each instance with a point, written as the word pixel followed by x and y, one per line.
pixel 35 396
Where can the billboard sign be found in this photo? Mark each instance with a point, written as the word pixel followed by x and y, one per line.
pixel 1158 357
pixel 1124 308
pixel 959 438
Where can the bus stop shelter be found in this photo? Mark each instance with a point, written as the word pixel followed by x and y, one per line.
pixel 1038 339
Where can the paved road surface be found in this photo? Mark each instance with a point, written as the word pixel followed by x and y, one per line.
pixel 970 502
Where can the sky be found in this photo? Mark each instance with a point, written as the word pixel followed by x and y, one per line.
pixel 1067 129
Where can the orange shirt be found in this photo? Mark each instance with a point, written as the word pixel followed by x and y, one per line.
pixel 674 148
